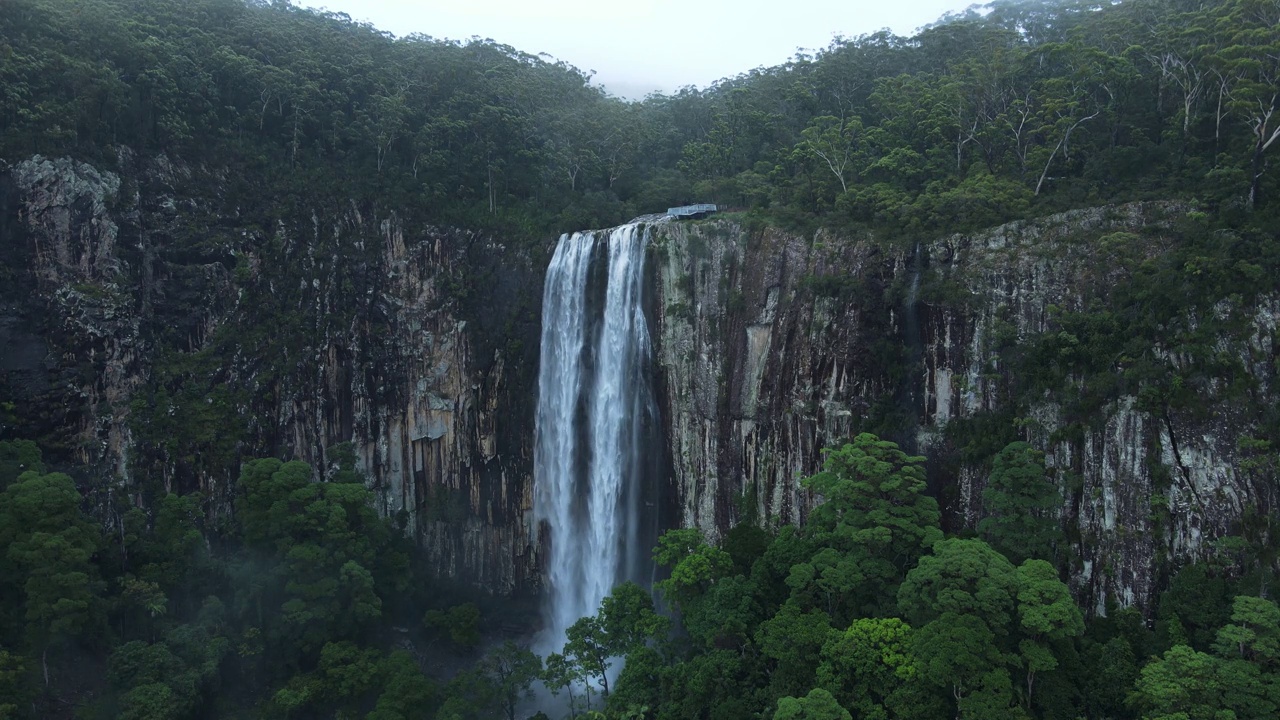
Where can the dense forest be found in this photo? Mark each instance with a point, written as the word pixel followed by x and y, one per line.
pixel 308 605
pixel 301 602
pixel 1018 110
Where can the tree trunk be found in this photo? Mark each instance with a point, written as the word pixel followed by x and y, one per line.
pixel 1066 138
pixel 1259 166
pixel 1045 173
pixel 293 144
pixel 492 203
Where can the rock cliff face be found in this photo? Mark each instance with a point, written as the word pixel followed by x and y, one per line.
pixel 775 346
pixel 1141 486
pixel 432 382
pixel 72 358
pixel 158 333
pixel 159 328
pixel 758 373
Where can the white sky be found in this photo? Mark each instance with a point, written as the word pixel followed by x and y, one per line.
pixel 639 46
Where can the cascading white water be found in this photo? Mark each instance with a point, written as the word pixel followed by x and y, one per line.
pixel 595 412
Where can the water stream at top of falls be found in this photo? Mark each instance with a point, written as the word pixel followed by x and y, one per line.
pixel 594 459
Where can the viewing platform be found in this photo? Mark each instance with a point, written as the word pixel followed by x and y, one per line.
pixel 691 211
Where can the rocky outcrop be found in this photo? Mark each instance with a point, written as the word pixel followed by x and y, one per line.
pixel 72 358
pixel 774 346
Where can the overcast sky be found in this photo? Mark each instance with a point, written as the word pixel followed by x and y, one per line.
pixel 639 46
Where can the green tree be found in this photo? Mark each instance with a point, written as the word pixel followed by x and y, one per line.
pixel 587 646
pixel 817 705
pixel 867 664
pixel 718 684
pixel 1113 670
pixel 152 701
pixel 15 692
pixel 873 524
pixel 963 599
pixel 347 674
pixel 694 565
pixel 561 673
pixel 1078 89
pixel 332 558
pixel 964 577
pixel 1253 633
pixel 512 670
pixel 461 623
pixel 726 615
pixel 1046 615
pixel 1250 56
pixel 406 692
pixel 175 549
pixel 18 457
pixel 960 654
pixel 625 622
pixel 1185 683
pixel 643 682
pixel 49 547
pixel 166 679
pixel 1197 603
pixel 835 144
pixel 1020 505
pixel 793 640
pixel 263 504
pixel 147 601
pixel 628 618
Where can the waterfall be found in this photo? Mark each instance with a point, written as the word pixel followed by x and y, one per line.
pixel 908 395
pixel 594 464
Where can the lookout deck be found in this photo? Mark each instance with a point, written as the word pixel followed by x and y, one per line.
pixel 692 211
